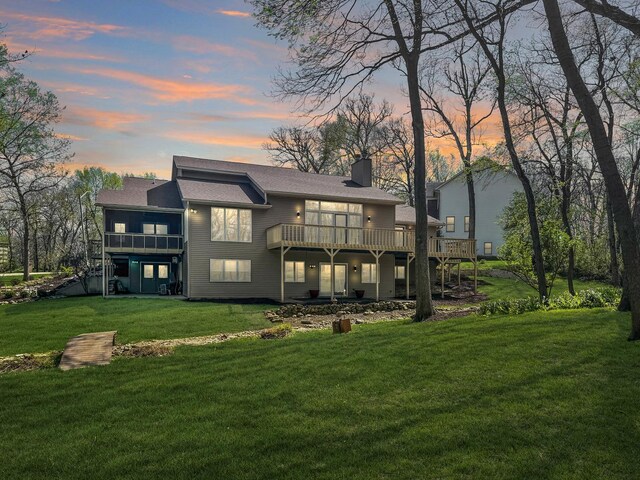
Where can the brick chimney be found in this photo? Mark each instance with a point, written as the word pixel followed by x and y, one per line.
pixel 361 170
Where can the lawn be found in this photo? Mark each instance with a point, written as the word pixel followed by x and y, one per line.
pixel 496 288
pixel 8 280
pixel 47 325
pixel 541 395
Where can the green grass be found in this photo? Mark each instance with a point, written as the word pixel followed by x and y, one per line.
pixel 9 280
pixel 541 395
pixel 497 288
pixel 47 324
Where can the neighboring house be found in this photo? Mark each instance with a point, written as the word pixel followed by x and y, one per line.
pixel 449 201
pixel 4 251
pixel 225 230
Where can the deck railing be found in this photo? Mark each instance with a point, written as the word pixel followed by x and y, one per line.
pixel 319 236
pixel 142 243
pixel 322 236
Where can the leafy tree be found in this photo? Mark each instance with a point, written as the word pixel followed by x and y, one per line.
pixel 31 154
pixel 517 249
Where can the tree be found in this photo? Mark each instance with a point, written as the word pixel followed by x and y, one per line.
pixel 337 46
pixel 492 41
pixel 86 184
pixel 517 248
pixel 451 88
pixel 606 161
pixel 31 155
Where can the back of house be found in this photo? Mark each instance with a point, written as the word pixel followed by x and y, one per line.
pixel 225 230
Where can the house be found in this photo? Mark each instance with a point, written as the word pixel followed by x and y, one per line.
pixel 449 201
pixel 226 230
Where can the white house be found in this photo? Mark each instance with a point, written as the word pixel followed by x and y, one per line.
pixel 449 201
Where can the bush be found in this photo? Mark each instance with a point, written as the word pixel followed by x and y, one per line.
pixel 590 298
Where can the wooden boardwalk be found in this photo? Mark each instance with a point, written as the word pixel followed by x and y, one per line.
pixel 88 349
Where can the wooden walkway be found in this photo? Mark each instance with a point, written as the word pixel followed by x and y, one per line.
pixel 88 349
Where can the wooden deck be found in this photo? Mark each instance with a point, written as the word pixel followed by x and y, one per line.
pixel 365 239
pixel 88 349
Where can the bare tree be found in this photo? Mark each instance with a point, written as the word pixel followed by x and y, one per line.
pixel 399 147
pixel 337 45
pixel 606 160
pixel 451 88
pixel 492 41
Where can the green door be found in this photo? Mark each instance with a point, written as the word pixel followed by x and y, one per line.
pixel 154 275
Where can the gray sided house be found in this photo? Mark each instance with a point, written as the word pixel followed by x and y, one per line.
pixel 449 201
pixel 225 230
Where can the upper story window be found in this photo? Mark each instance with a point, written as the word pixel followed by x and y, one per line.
pixel 119 227
pixel 230 225
pixel 154 229
pixel 333 213
pixel 451 224
pixel 466 223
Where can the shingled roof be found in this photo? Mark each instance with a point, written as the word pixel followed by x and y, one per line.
pixel 287 181
pixel 219 192
pixel 142 192
pixel 406 215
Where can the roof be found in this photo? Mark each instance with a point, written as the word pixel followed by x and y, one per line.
pixel 142 192
pixel 288 181
pixel 219 192
pixel 431 188
pixel 406 214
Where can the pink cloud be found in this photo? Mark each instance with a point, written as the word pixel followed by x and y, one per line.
pixel 225 140
pixel 191 44
pixel 58 27
pixel 233 13
pixel 104 119
pixel 172 91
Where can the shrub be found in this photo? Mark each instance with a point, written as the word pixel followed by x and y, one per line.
pixel 279 331
pixel 8 293
pixel 590 298
pixel 16 281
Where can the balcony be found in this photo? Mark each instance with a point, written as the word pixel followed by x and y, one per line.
pixel 344 238
pixel 142 243
pixel 370 239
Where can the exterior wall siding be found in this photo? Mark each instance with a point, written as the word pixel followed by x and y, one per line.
pixel 494 191
pixel 135 219
pixel 265 264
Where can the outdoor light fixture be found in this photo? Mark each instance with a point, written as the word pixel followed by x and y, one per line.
pixel 369 219
pixel 193 210
pixel 312 266
pixel 355 269
pixel 298 214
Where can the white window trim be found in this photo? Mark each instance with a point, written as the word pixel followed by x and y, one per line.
pixel 296 271
pixel 467 223
pixel 452 225
pixel 484 248
pixel 370 267
pixel 224 260
pixel 224 227
pixel 404 271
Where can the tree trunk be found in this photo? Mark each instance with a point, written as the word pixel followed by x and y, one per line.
pixel 472 203
pixel 424 305
pixel 614 268
pixel 25 248
pixel 606 161
pixel 567 228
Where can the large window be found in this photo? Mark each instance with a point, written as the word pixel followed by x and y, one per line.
pixel 400 271
pixel 154 228
pixel 119 228
pixel 451 224
pixel 229 270
pixel 369 273
pixel 336 217
pixel 230 225
pixel 294 272
pixel 466 223
pixel 488 248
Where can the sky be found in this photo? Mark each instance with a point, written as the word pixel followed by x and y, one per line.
pixel 144 80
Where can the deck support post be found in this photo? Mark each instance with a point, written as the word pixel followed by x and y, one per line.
pixel 410 258
pixel 475 276
pixel 377 254
pixel 283 250
pixel 459 263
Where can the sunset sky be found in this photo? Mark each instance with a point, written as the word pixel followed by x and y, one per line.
pixel 146 79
